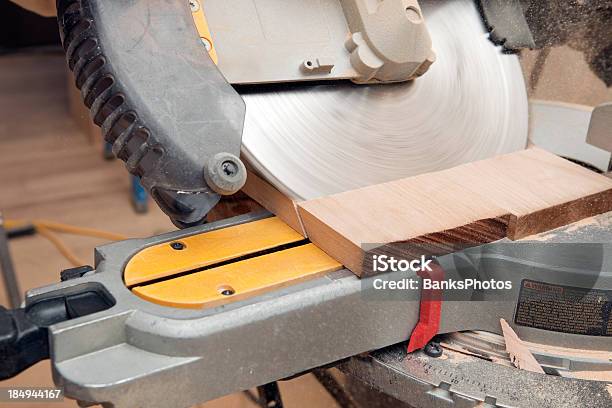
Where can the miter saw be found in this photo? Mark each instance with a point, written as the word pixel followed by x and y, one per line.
pixel 316 97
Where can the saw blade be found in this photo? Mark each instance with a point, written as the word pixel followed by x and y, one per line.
pixel 312 141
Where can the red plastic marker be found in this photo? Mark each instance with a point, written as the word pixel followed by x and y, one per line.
pixel 430 310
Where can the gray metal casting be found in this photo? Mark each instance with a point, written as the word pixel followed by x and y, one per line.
pixel 142 354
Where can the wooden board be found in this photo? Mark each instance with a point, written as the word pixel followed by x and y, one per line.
pixel 541 190
pixel 513 195
pixel 273 200
pixel 519 354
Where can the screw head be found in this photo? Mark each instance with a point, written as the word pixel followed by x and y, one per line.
pixel 225 173
pixel 177 246
pixel 194 5
pixel 229 168
pixel 433 349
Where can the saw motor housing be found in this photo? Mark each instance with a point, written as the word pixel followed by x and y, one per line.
pixel 255 42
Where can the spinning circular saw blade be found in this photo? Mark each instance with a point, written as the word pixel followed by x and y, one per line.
pixel 318 140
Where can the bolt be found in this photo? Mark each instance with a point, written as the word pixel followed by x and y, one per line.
pixel 177 246
pixel 229 168
pixel 224 173
pixel 433 349
pixel 194 5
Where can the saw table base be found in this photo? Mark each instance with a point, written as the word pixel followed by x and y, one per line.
pixel 134 353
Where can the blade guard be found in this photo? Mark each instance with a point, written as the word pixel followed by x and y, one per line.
pixel 159 99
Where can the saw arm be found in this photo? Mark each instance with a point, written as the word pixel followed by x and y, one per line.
pixel 173 117
pixel 159 99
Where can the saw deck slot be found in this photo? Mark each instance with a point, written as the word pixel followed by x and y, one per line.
pixel 239 280
pixel 207 249
pixel 225 265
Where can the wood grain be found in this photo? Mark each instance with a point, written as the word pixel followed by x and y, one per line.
pixel 513 195
pixel 273 200
pixel 519 354
pixel 389 217
pixel 541 190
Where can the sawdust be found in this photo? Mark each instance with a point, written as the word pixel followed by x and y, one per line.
pixel 459 356
pixel 460 353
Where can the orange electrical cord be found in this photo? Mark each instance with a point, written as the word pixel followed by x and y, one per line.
pixel 47 228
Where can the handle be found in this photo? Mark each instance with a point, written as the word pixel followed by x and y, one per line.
pixel 159 99
pixel 22 343
pixel 24 338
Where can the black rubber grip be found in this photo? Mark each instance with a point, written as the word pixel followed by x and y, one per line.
pixel 158 97
pixel 24 337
